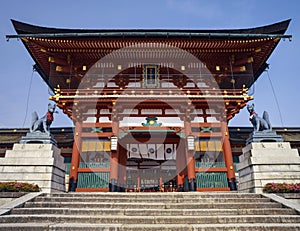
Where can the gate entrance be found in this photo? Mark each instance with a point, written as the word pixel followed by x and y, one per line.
pixel 149 162
pixel 151 176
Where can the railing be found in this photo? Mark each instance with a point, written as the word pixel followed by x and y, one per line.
pixel 211 175
pixel 93 180
pixel 210 165
pixel 94 165
pixel 211 180
pixel 117 92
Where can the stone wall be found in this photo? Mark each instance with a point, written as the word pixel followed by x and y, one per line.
pixel 267 162
pixel 40 164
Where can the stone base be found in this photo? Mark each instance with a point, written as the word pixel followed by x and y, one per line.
pixel 263 163
pixel 264 136
pixel 38 138
pixel 39 164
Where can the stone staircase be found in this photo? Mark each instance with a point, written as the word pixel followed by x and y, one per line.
pixel 151 211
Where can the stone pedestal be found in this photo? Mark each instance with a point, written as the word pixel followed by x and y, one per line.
pixel 38 138
pixel 40 164
pixel 264 136
pixel 267 162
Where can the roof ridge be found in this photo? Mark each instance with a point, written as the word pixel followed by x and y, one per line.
pixel 275 28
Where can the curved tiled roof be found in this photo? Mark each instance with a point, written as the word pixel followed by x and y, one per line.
pixel 212 47
pixel 24 28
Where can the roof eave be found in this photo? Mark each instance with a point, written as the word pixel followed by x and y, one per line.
pixel 28 30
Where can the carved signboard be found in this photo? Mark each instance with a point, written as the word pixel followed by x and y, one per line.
pixel 151 76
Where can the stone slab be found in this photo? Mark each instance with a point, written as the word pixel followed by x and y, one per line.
pixel 222 214
pixel 31 169
pixel 262 163
pixel 5 200
pixel 256 186
pixel 268 153
pixel 285 202
pixel 38 137
pixel 268 145
pixel 12 194
pixel 32 162
pixel 40 164
pixel 31 177
pixel 271 156
pixel 18 202
pixel 272 175
pixel 264 136
pixel 43 184
pixel 289 195
pixel 245 167
pixel 148 227
pixel 31 154
pixel 266 167
pixel 35 147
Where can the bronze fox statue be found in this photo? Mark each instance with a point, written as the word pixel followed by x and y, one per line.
pixel 259 124
pixel 43 124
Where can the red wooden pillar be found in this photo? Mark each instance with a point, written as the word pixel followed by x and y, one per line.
pixel 122 168
pixel 228 157
pixel 161 183
pixel 180 165
pixel 180 181
pixel 190 159
pixel 114 161
pixel 138 180
pixel 75 158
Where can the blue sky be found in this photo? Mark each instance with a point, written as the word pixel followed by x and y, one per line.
pixel 16 63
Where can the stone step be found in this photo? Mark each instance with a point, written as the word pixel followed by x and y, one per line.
pixel 58 218
pixel 157 195
pixel 154 212
pixel 151 211
pixel 151 200
pixel 149 227
pixel 113 205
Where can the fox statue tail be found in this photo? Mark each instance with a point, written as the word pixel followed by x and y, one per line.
pixel 266 118
pixel 34 118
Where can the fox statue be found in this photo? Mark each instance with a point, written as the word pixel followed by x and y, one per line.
pixel 43 124
pixel 259 124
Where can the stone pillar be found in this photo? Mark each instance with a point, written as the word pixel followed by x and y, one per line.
pixel 228 157
pixel 39 164
pixel 75 158
pixel 267 162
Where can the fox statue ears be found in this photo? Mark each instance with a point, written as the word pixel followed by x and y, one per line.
pixel 252 105
pixel 49 105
